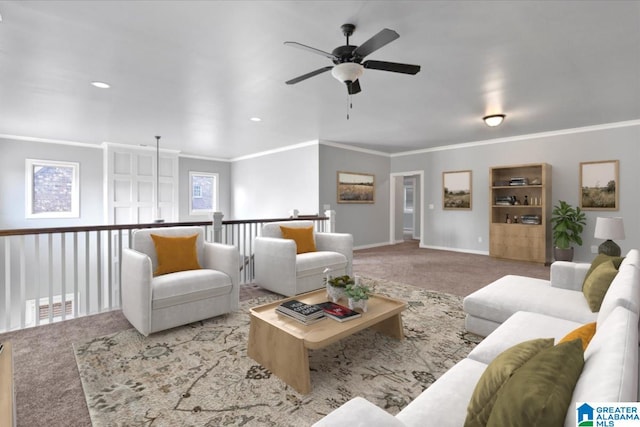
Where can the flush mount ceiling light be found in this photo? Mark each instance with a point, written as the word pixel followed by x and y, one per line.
pixel 494 119
pixel 101 85
pixel 255 119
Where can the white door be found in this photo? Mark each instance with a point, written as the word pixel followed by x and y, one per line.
pixel 131 185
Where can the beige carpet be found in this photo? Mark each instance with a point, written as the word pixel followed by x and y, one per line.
pixel 200 374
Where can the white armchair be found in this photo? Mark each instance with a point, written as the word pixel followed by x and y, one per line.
pixel 154 303
pixel 280 269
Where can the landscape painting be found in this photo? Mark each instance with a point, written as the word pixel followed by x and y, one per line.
pixel 599 185
pixel 355 187
pixel 456 190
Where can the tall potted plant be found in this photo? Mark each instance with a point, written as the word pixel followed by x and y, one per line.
pixel 568 223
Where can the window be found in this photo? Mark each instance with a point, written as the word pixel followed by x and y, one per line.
pixel 204 193
pixel 52 189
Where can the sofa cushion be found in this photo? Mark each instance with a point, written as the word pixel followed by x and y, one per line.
pixel 303 236
pixel 175 253
pixel 624 291
pixel 584 333
pixel 443 403
pixel 522 326
pixel 188 286
pixel 632 258
pixel 509 294
pixel 539 393
pixel 597 283
pixel 314 263
pixel 496 375
pixel 610 372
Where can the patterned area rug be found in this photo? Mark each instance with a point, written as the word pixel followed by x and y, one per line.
pixel 200 374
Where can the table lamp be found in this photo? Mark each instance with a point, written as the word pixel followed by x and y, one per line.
pixel 609 229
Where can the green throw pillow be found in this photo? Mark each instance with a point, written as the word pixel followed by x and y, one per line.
pixel 599 259
pixel 597 284
pixel 539 393
pixel 498 373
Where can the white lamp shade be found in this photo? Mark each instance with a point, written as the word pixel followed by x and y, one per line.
pixel 609 228
pixel 347 71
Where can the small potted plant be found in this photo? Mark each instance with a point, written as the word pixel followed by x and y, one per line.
pixel 358 295
pixel 568 223
pixel 336 286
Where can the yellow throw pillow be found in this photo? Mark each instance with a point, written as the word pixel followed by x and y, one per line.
pixel 302 236
pixel 496 375
pixel 597 284
pixel 175 253
pixel 584 332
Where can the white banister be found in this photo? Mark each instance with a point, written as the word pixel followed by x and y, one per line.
pixel 66 276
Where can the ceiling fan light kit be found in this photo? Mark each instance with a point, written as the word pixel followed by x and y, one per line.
pixel 494 119
pixel 347 72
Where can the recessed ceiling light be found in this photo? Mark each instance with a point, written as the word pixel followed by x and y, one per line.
pixel 101 85
pixel 255 119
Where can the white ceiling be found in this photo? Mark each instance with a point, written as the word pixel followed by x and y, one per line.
pixel 194 72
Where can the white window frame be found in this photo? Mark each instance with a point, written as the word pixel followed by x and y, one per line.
pixel 214 196
pixel 30 166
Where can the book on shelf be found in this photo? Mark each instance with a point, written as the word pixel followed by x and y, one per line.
pixel 300 319
pixel 338 312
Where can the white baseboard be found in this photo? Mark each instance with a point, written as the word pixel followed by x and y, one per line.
pixel 373 245
pixel 466 251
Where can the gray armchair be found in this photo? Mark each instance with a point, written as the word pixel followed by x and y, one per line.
pixel 154 303
pixel 279 269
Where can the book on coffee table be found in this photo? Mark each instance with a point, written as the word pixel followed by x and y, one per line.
pixel 338 312
pixel 298 319
pixel 305 313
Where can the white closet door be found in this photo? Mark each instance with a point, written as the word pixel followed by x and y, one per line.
pixel 131 185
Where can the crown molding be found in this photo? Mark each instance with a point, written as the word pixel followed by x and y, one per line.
pixel 352 148
pixel 593 128
pixel 276 150
pixel 50 141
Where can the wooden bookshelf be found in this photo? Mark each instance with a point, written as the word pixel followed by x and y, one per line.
pixel 509 237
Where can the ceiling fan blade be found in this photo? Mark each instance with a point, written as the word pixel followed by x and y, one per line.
pixel 354 87
pixel 331 56
pixel 392 66
pixel 381 39
pixel 308 75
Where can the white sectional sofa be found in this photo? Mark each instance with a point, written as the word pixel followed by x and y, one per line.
pixel 609 374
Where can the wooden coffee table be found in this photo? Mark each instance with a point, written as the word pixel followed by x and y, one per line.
pixel 281 345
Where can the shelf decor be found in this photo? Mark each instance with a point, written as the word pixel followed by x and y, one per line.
pixel 599 185
pixel 456 190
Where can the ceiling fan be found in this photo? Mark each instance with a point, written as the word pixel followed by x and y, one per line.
pixel 347 59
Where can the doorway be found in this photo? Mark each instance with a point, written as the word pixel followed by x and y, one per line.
pixel 406 211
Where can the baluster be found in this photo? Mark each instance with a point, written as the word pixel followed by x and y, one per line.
pixel 23 282
pixel 7 282
pixel 50 277
pixel 76 300
pixel 38 277
pixel 99 269
pixel 110 259
pixel 63 274
pixel 87 273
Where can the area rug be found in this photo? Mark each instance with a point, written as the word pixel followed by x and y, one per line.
pixel 200 374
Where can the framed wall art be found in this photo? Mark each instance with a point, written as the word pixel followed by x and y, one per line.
pixel 356 187
pixel 599 185
pixel 456 190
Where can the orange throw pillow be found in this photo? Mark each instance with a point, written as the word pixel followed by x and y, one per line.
pixel 584 332
pixel 175 253
pixel 302 236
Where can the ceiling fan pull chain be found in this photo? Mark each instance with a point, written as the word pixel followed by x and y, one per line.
pixel 348 103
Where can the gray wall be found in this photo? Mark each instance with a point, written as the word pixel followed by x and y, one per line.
pixel 13 154
pixel 271 185
pixel 223 169
pixel 369 223
pixel 564 152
